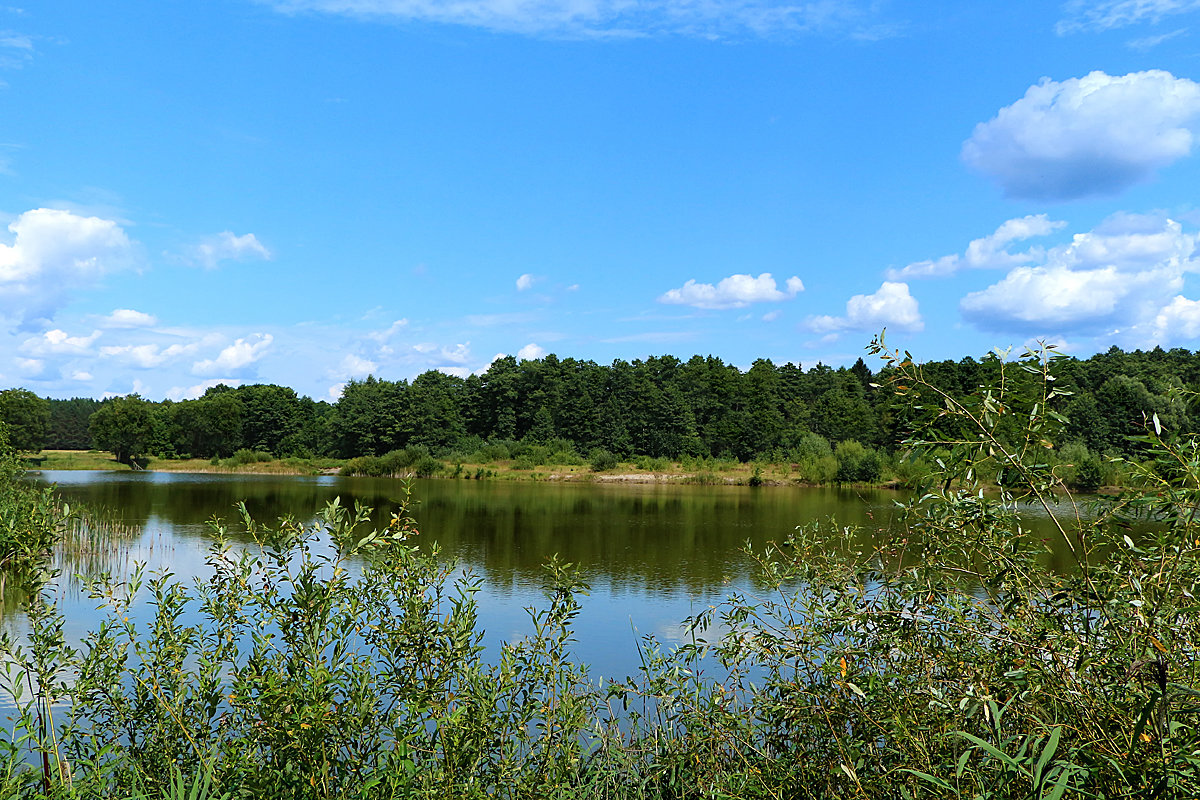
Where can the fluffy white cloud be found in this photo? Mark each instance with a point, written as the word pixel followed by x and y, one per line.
pixel 459 354
pixel 1103 15
pixel 621 18
pixel 178 393
pixel 225 246
pixel 1120 279
pixel 53 251
pixel 736 291
pixel 530 352
pixel 1086 136
pixel 1178 320
pixel 989 252
pixel 525 282
pixel 354 367
pixel 128 318
pixel 31 367
pixel 236 357
pixel 147 356
pixel 890 307
pixel 56 342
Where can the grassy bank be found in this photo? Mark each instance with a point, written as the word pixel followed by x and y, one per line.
pixel 706 471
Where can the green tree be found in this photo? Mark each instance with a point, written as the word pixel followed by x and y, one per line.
pixel 27 417
pixel 69 423
pixel 124 426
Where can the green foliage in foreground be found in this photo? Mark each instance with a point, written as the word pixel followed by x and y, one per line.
pixel 943 663
pixel 31 521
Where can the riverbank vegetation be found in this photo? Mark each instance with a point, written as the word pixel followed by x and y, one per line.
pixel 565 417
pixel 942 661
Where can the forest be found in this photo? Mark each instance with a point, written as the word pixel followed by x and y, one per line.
pixel 660 407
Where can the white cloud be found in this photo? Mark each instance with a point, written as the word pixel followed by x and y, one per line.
pixel 53 251
pixel 1178 320
pixel 81 375
pixel 178 393
pixel 388 333
pixel 524 282
pixel 530 352
pixel 334 393
pixel 15 50
pixel 1150 42
pixel 736 291
pixel 128 318
pixel 1086 136
pixel 621 18
pixel 147 356
pixel 1120 279
pixel 56 342
pixel 459 354
pixel 989 252
pixel 354 367
pixel 225 246
pixel 1103 15
pixel 771 316
pixel 236 357
pixel 31 366
pixel 890 307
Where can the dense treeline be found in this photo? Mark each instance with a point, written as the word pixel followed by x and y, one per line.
pixel 659 407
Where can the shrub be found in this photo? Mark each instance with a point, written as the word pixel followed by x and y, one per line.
pixel 427 467
pixel 603 460
pixel 855 463
pixel 245 456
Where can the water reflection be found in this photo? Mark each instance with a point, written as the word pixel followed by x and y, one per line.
pixel 654 554
pixel 642 538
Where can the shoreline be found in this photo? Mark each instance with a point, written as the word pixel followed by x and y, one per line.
pixel 769 475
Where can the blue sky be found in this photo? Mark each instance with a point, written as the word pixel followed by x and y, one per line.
pixel 309 191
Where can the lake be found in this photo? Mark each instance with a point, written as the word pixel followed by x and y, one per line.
pixel 653 553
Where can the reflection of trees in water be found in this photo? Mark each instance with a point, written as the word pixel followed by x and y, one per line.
pixel 639 538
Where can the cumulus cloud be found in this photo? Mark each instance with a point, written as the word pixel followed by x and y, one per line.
pixel 458 354
pixel 56 342
pixel 128 318
pixel 525 282
pixel 1087 136
pixel 736 291
pixel 53 251
pixel 890 307
pixel 989 252
pixel 1103 15
pixel 236 357
pixel 353 366
pixel 225 246
pixel 1120 279
pixel 178 393
pixel 1178 320
pixel 147 356
pixel 31 367
pixel 620 18
pixel 531 352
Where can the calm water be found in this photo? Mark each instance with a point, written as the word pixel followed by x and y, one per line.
pixel 653 554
